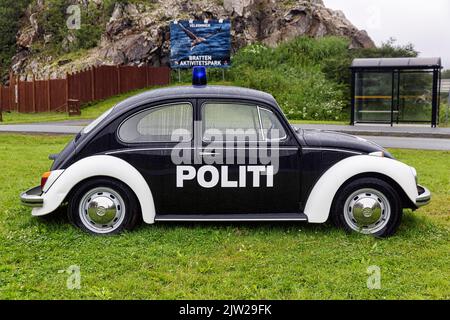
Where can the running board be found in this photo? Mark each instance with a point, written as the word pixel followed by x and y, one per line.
pixel 233 217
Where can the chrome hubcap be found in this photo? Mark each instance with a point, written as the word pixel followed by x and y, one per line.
pixel 367 211
pixel 102 210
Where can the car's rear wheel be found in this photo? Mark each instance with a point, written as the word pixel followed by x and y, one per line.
pixel 103 206
pixel 368 206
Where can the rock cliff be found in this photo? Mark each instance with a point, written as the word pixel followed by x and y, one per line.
pixel 138 32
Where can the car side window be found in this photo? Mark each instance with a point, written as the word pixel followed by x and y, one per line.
pixel 272 129
pixel 230 121
pixel 167 123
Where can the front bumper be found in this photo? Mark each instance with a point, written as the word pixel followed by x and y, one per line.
pixel 424 197
pixel 33 197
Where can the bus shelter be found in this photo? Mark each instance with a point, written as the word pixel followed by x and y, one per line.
pixel 396 90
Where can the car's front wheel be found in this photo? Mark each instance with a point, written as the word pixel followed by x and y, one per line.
pixel 369 206
pixel 103 206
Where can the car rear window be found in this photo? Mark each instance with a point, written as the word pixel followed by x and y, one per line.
pixel 167 123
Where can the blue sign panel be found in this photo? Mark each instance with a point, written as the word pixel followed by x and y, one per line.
pixel 200 43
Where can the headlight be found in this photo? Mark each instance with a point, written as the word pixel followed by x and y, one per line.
pixel 377 154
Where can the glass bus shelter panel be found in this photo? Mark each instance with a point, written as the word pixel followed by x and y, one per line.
pixel 373 97
pixel 415 98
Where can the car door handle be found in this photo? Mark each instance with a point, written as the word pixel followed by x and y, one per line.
pixel 209 153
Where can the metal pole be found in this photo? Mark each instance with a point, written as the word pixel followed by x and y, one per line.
pixel 398 96
pixel 448 107
pixel 392 98
pixel 439 95
pixel 179 75
pixel 434 106
pixel 223 74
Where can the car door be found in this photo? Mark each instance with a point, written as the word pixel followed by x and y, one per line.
pixel 156 140
pixel 246 167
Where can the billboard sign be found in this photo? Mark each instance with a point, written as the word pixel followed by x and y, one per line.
pixel 200 43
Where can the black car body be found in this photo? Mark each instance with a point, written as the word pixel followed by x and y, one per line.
pixel 134 134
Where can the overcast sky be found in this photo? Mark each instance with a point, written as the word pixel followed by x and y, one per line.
pixel 425 23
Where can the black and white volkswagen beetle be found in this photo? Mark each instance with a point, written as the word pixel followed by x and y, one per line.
pixel 218 153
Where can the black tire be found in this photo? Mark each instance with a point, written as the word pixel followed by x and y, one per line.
pixel 121 196
pixel 387 225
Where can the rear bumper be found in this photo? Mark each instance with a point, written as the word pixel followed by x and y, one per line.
pixel 424 197
pixel 32 197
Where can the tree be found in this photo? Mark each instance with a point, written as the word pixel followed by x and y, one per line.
pixel 11 12
pixel 52 20
pixel 388 49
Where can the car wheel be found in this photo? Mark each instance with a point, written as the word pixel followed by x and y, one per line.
pixel 104 206
pixel 368 206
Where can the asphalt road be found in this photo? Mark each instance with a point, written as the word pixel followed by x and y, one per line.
pixel 40 128
pixel 411 143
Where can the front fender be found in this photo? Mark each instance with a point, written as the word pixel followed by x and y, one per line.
pixel 95 166
pixel 319 202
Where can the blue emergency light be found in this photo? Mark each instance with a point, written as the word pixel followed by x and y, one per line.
pixel 199 76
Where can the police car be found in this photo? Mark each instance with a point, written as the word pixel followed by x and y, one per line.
pixel 219 153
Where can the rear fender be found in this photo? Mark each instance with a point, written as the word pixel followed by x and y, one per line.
pixel 95 166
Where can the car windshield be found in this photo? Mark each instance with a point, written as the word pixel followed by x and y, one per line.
pixel 94 123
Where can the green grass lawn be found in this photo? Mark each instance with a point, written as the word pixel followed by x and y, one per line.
pixel 209 261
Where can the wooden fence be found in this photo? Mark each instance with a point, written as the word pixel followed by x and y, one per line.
pixel 96 83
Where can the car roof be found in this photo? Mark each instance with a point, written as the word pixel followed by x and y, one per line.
pixel 193 92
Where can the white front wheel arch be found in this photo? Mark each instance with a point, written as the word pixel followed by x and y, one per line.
pixel 320 200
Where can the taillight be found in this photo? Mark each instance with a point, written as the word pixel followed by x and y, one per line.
pixel 44 178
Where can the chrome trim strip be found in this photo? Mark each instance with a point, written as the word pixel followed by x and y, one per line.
pixel 424 198
pixel 193 148
pixel 284 138
pixel 237 148
pixel 260 123
pixel 332 149
pixel 231 219
pixel 31 200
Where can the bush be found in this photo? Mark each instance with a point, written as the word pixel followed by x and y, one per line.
pixel 310 78
pixel 444 110
pixel 292 72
